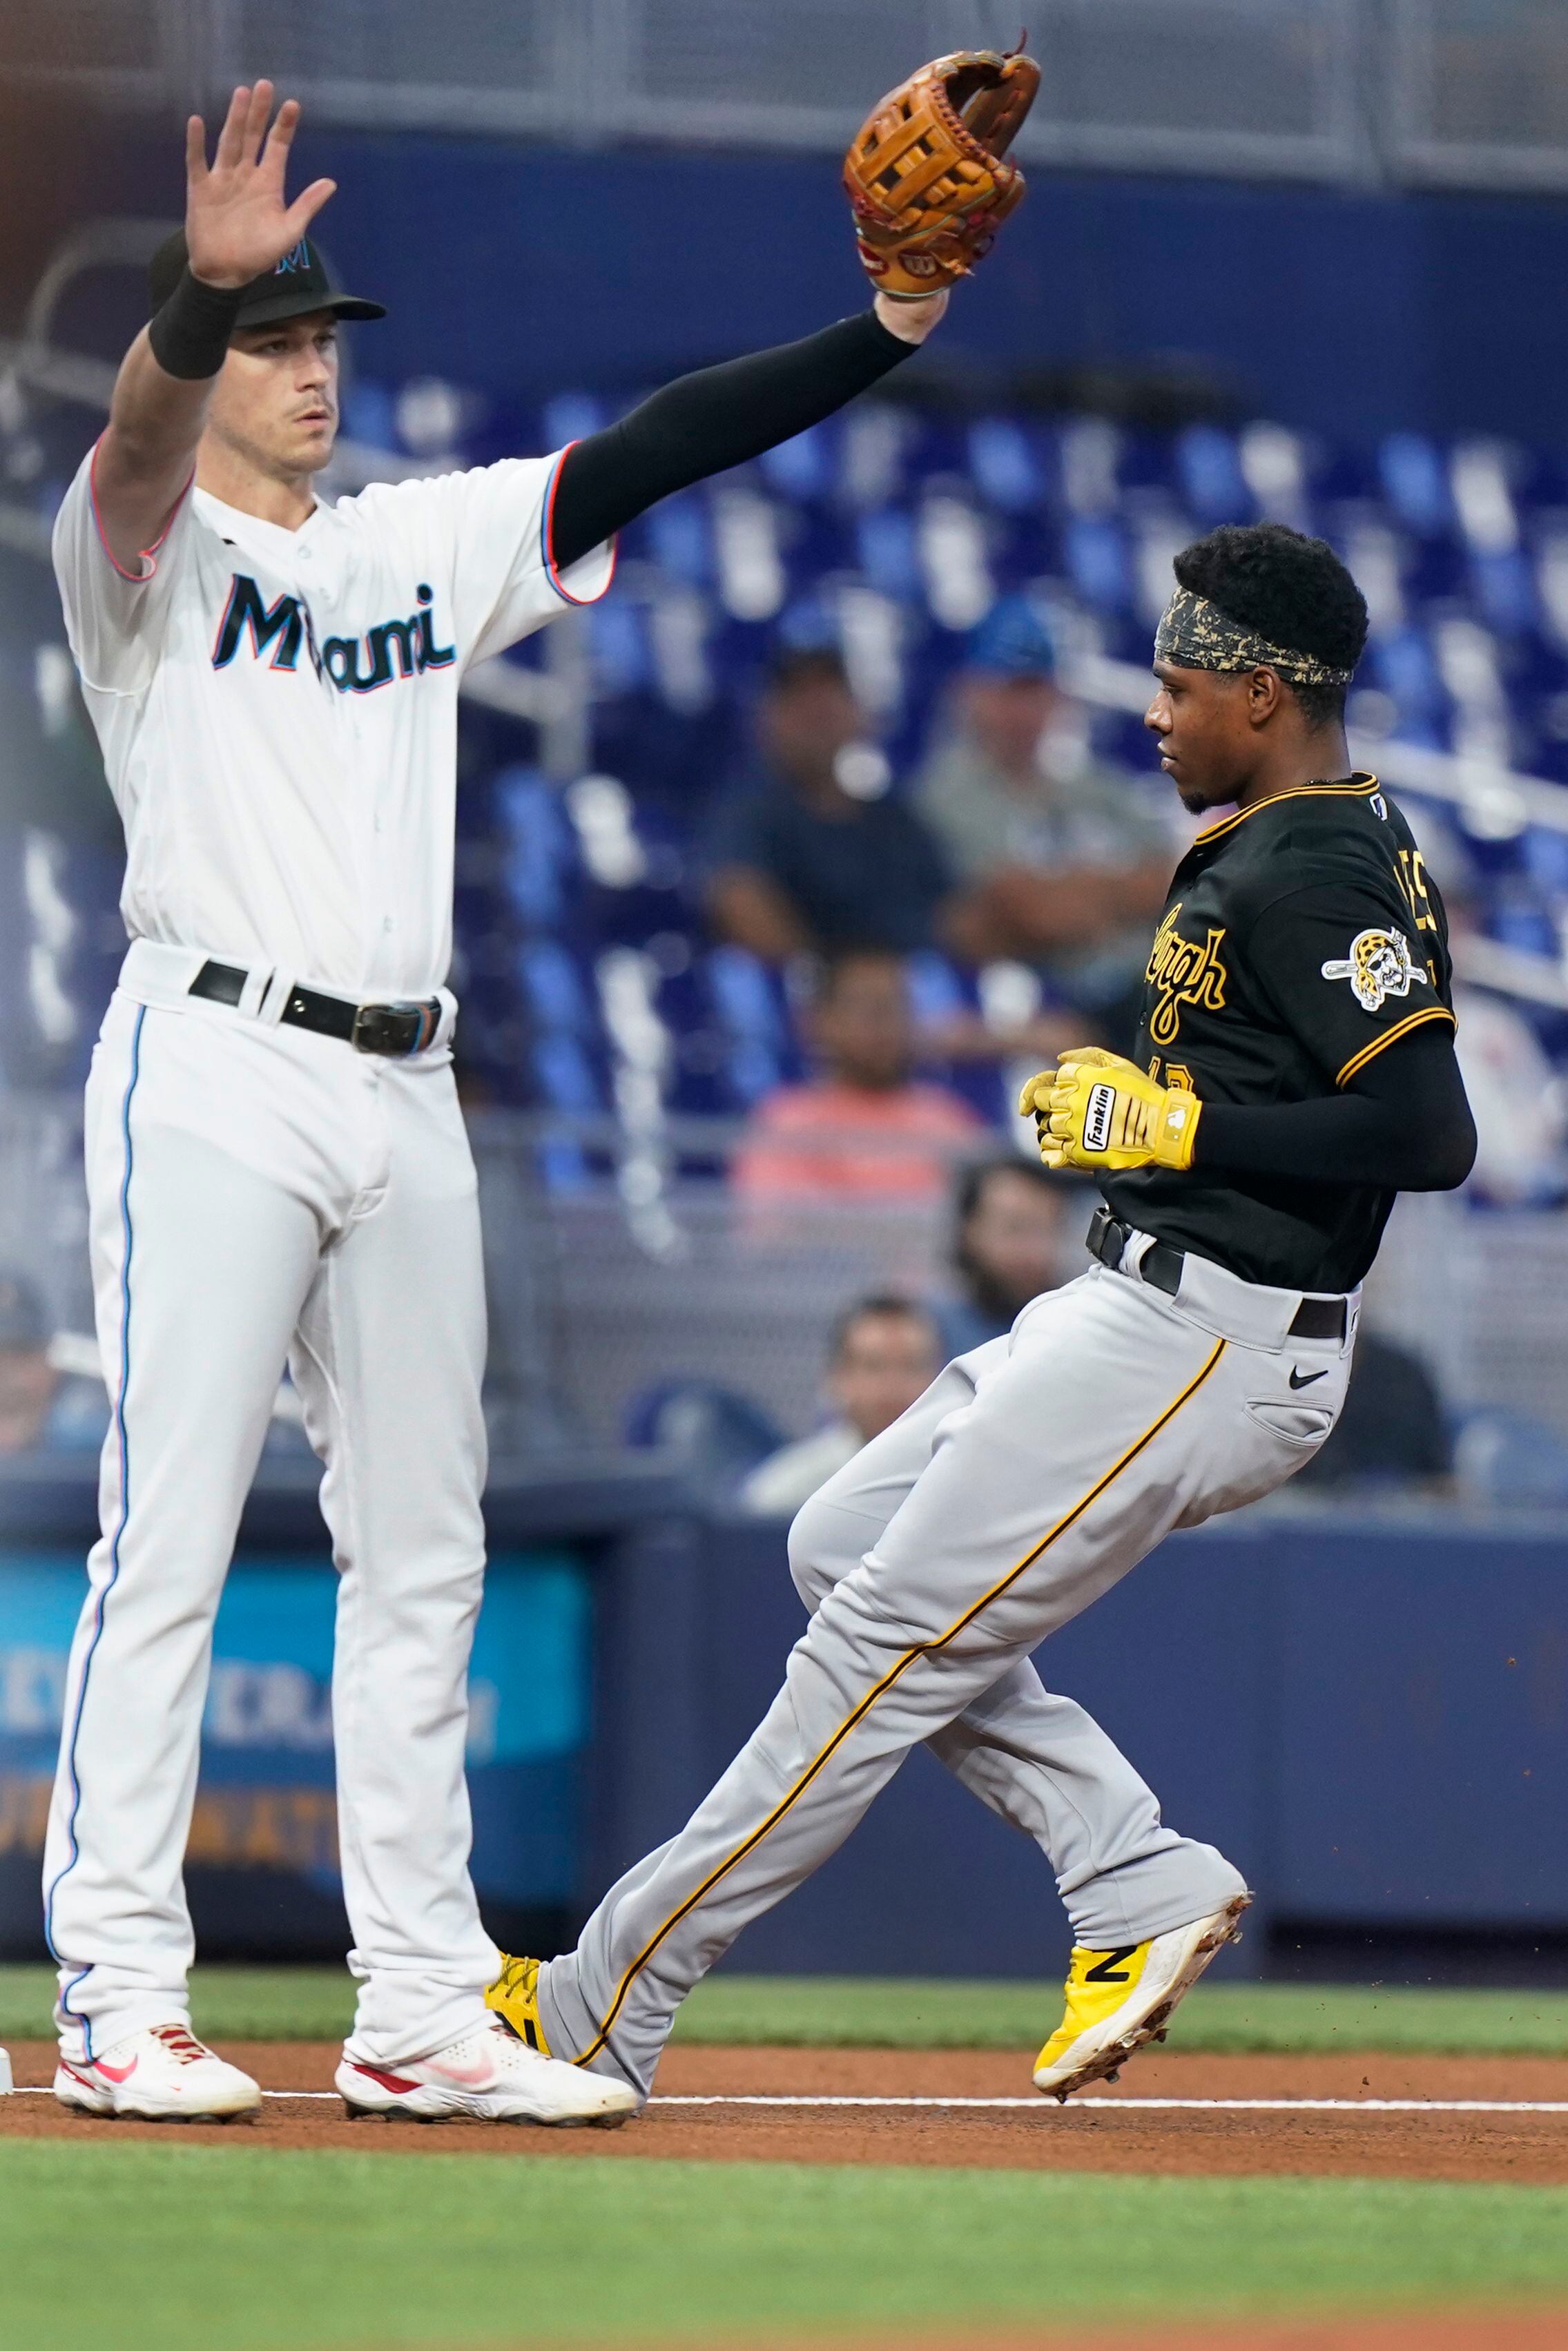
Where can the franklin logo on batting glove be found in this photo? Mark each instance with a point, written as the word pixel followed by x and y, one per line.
pixel 1097 1117
pixel 1098 1111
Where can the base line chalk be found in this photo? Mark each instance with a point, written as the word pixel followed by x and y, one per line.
pixel 1046 2107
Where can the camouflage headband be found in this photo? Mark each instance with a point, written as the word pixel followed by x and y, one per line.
pixel 1196 634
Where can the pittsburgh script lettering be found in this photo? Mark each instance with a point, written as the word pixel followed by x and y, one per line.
pixel 1183 973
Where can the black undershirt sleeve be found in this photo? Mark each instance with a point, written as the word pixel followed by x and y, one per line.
pixel 1403 1123
pixel 703 423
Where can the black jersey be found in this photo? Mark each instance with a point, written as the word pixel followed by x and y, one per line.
pixel 1301 937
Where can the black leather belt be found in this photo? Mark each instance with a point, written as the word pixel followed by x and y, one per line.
pixel 1160 1266
pixel 395 1029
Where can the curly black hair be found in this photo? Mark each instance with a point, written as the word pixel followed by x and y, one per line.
pixel 1292 589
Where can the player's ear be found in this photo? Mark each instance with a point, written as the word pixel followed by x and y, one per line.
pixel 1265 696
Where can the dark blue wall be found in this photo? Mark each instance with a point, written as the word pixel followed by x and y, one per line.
pixel 1349 313
pixel 1370 1719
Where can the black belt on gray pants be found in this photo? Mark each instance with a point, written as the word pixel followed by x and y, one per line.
pixel 1160 1266
pixel 394 1029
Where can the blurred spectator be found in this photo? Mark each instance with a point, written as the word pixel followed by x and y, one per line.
pixel 865 1129
pixel 41 1410
pixel 1392 1429
pixel 884 1354
pixel 813 853
pixel 1518 1101
pixel 1015 1226
pixel 1060 859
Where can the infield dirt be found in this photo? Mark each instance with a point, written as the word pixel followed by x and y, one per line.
pixel 1518 2148
pixel 1503 2328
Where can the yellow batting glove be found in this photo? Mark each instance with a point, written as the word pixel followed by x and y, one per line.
pixel 1035 1100
pixel 1098 1111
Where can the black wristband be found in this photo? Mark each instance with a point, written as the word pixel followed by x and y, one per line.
pixel 190 335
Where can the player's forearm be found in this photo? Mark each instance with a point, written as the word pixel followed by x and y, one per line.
pixel 706 422
pixel 161 396
pixel 155 420
pixel 147 451
pixel 1406 1126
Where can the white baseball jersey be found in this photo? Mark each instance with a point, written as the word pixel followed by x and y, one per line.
pixel 278 710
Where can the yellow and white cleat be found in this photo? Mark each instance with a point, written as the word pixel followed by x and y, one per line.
pixel 515 1997
pixel 1117 2001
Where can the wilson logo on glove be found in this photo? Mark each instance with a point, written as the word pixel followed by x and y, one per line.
pixel 1097 1116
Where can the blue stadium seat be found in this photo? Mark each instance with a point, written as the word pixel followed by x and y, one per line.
pixel 540 858
pixel 801 468
pixel 715 1432
pixel 557 1001
pixel 749 1004
pixel 1210 475
pixel 1005 465
pixel 1415 483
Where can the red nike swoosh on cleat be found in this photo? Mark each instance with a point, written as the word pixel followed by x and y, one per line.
pixel 472 2077
pixel 115 2073
pixel 388 2081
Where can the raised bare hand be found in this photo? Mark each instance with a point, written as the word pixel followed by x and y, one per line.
pixel 237 222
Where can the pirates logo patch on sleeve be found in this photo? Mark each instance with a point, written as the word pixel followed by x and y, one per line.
pixel 1379 965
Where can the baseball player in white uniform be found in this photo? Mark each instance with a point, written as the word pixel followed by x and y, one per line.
pixel 276 1165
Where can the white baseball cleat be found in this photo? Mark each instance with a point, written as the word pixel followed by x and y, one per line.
pixel 490 2076
pixel 163 2074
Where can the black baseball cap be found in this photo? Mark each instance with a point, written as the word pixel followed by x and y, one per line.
pixel 299 285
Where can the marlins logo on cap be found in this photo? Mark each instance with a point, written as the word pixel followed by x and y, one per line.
pixel 293 288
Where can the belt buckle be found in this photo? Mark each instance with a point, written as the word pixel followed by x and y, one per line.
pixel 393 1031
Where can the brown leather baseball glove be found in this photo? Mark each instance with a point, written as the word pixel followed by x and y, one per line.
pixel 924 174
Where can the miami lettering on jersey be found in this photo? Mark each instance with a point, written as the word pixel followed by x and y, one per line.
pixel 1183 973
pixel 285 626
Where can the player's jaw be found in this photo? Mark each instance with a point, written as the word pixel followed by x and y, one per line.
pixel 1198 717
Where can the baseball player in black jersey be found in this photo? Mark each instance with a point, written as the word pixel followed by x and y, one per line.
pixel 1295 1069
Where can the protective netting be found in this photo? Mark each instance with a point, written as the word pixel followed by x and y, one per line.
pixel 1464 91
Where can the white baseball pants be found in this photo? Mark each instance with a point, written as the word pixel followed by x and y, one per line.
pixel 260 1195
pixel 1027 1480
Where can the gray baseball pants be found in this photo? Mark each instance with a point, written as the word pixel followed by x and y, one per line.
pixel 1027 1479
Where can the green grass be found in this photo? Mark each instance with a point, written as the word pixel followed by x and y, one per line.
pixel 228 2003
pixel 846 2010
pixel 828 2011
pixel 204 2249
